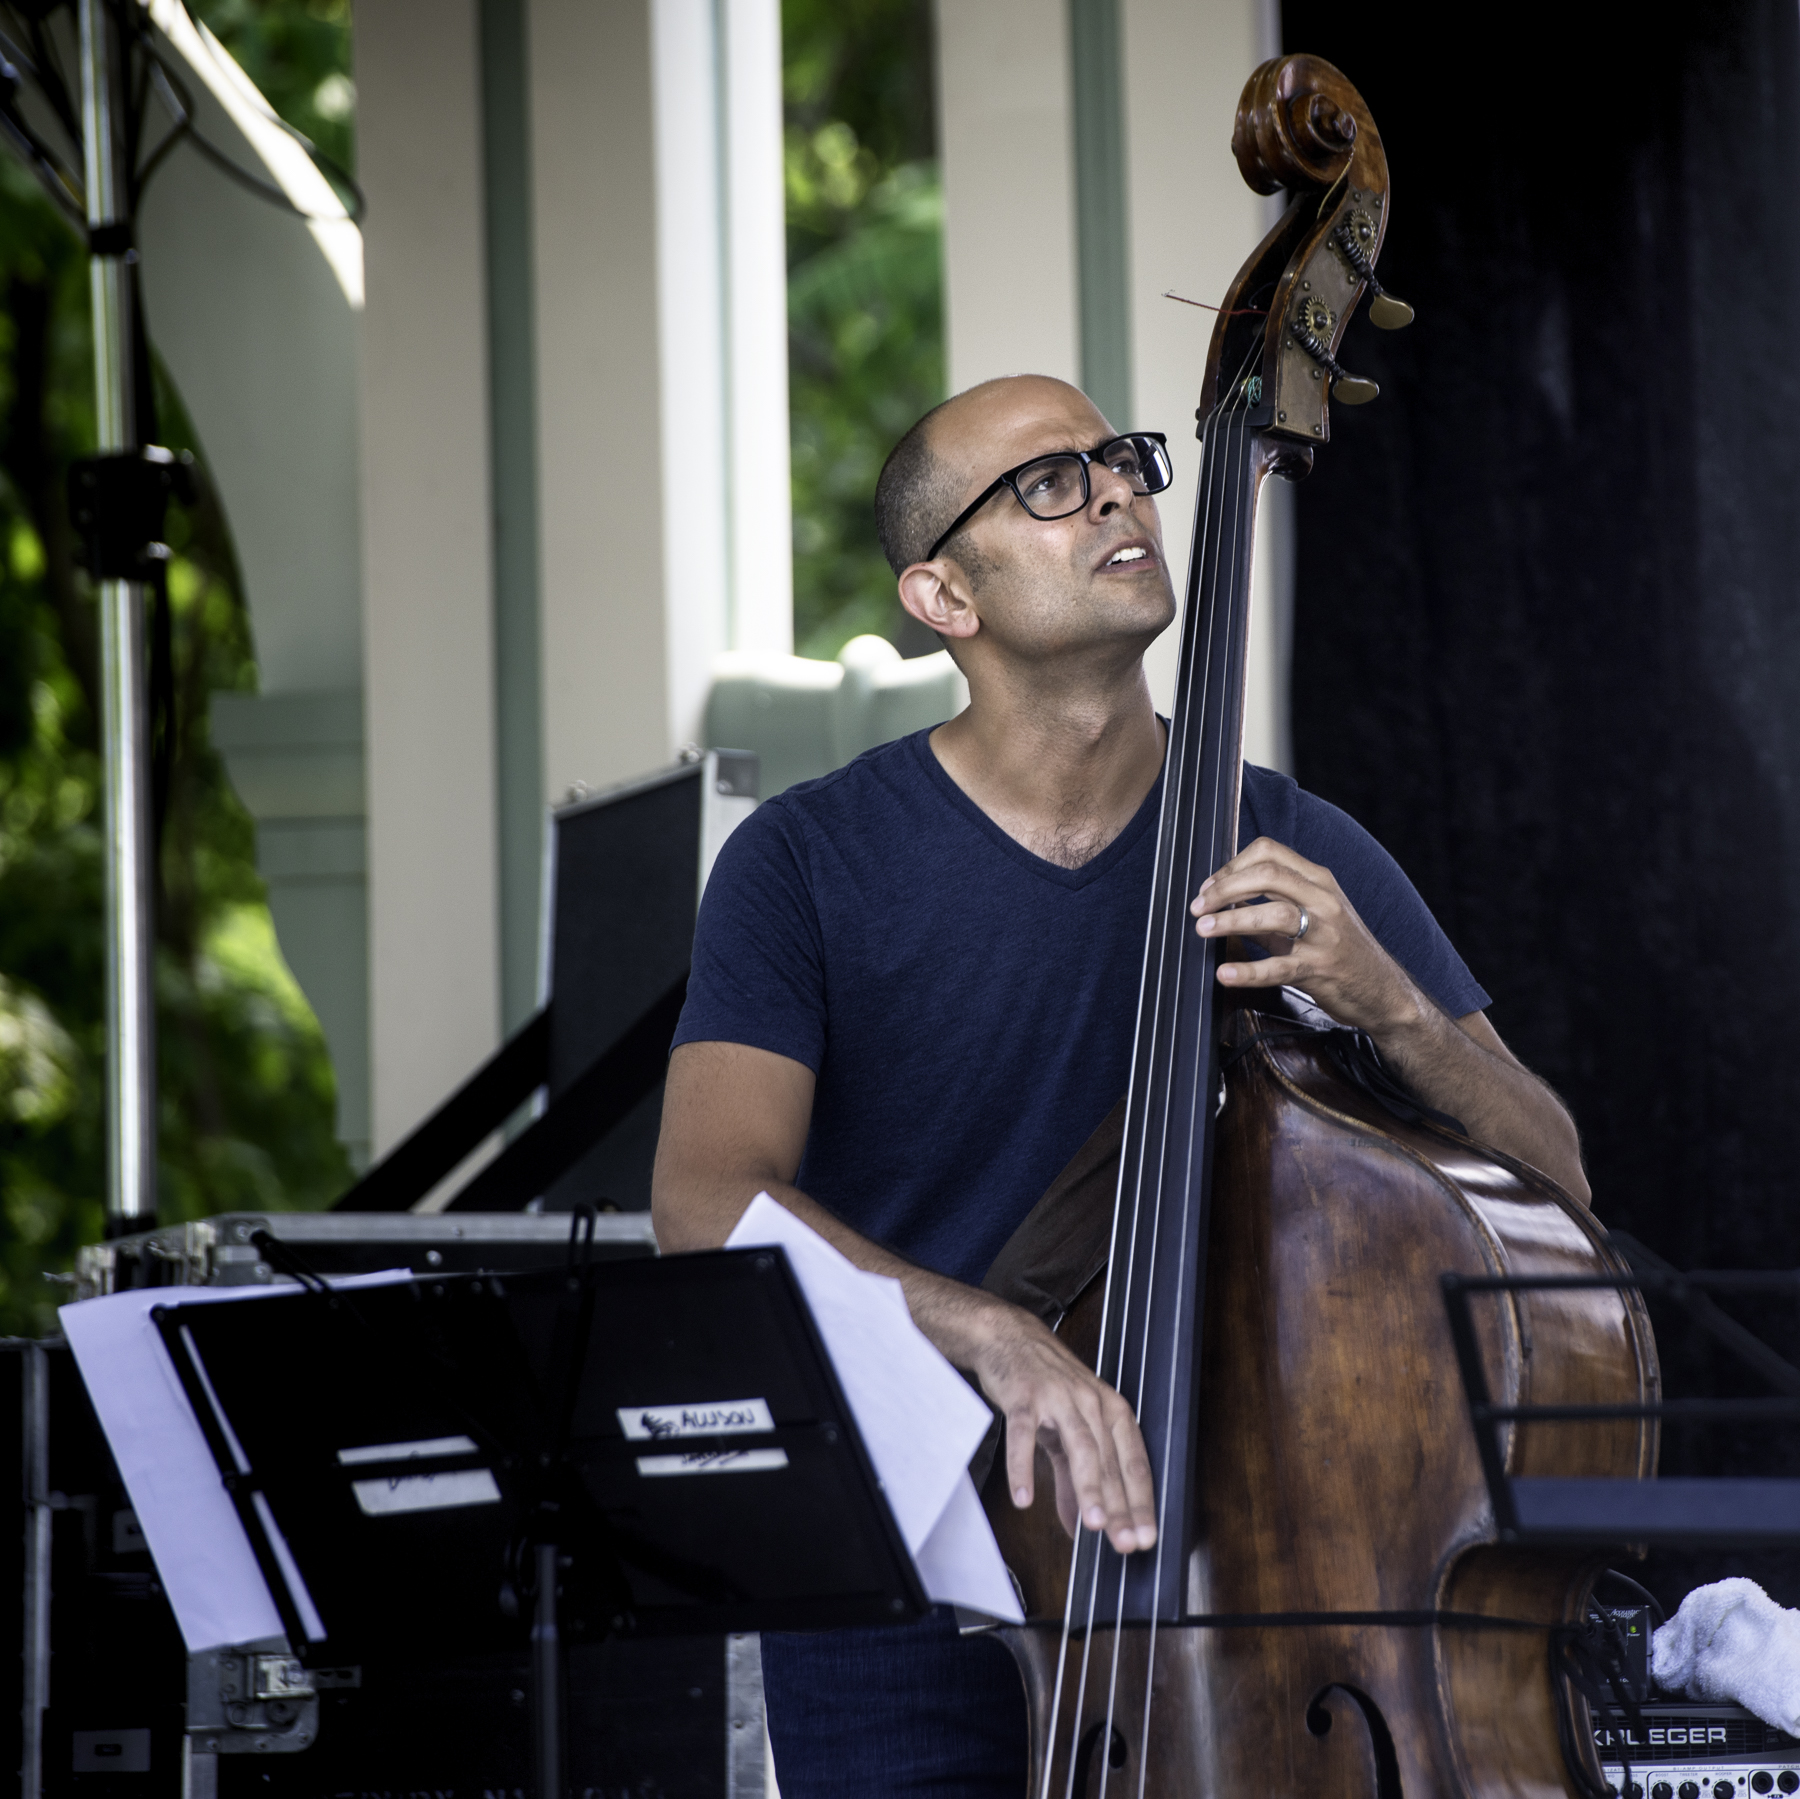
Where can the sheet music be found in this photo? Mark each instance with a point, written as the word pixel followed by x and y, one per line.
pixel 919 1419
pixel 202 1554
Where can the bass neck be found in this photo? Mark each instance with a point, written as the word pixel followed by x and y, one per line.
pixel 1152 1331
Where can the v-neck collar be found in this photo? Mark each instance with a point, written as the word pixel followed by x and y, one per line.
pixel 1089 872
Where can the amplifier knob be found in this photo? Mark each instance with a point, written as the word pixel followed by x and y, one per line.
pixel 1689 1789
pixel 1662 1790
pixel 1723 1789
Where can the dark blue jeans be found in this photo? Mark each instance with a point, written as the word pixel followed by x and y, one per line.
pixel 911 1708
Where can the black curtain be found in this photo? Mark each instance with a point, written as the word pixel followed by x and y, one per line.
pixel 1547 635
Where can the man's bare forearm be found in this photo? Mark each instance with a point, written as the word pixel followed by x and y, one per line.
pixel 961 1320
pixel 1497 1100
pixel 1317 942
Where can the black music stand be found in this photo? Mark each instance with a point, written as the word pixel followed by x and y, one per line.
pixel 1720 1512
pixel 614 1448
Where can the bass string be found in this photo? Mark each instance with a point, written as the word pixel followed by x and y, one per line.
pixel 1084 1551
pixel 1167 900
pixel 1217 484
pixel 1226 576
pixel 1174 898
pixel 1124 1246
pixel 1171 898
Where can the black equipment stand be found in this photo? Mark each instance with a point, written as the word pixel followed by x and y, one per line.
pixel 612 1448
pixel 1721 1512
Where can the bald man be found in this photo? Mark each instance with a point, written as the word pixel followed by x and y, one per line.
pixel 913 994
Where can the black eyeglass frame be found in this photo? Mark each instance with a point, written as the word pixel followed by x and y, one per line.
pixel 1010 480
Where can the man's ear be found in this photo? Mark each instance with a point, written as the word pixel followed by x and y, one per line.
pixel 937 594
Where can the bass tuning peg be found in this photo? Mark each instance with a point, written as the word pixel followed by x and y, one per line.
pixel 1386 311
pixel 1312 325
pixel 1354 235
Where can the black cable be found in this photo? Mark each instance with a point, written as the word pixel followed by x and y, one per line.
pixel 285 1259
pixel 57 182
pixel 1590 1656
pixel 179 129
pixel 153 71
pixel 64 187
pixel 357 206
pixel 49 77
pixel 136 95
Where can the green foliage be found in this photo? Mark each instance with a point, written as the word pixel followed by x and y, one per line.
pixel 867 63
pixel 865 296
pixel 246 1100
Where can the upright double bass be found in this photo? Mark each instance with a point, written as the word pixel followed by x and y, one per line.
pixel 1250 1249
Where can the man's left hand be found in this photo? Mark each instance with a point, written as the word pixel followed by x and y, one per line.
pixel 1315 939
pixel 1296 910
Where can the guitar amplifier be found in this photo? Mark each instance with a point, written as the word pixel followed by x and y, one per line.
pixel 1687 1751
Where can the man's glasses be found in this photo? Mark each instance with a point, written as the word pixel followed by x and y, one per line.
pixel 1056 486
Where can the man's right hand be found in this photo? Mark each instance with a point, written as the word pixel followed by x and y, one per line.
pixel 1051 1400
pixel 734 1124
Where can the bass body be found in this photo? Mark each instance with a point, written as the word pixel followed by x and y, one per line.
pixel 1336 1471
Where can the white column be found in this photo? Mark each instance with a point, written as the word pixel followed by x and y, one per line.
pixel 427 608
pixel 1005 125
pixel 600 428
pixel 691 235
pixel 1193 223
pixel 662 368
pixel 761 619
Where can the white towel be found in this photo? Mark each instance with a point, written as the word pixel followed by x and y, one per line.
pixel 1731 1642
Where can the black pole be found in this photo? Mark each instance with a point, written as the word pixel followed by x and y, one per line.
pixel 546 1679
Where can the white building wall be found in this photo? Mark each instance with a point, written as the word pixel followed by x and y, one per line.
pixel 427 562
pixel 1005 124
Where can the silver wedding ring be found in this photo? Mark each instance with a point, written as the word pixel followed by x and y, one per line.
pixel 1305 924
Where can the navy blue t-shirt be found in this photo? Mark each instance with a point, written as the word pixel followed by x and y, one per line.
pixel 968 1007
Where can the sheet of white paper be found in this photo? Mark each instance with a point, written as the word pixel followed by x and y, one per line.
pixel 920 1420
pixel 960 1563
pixel 202 1555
